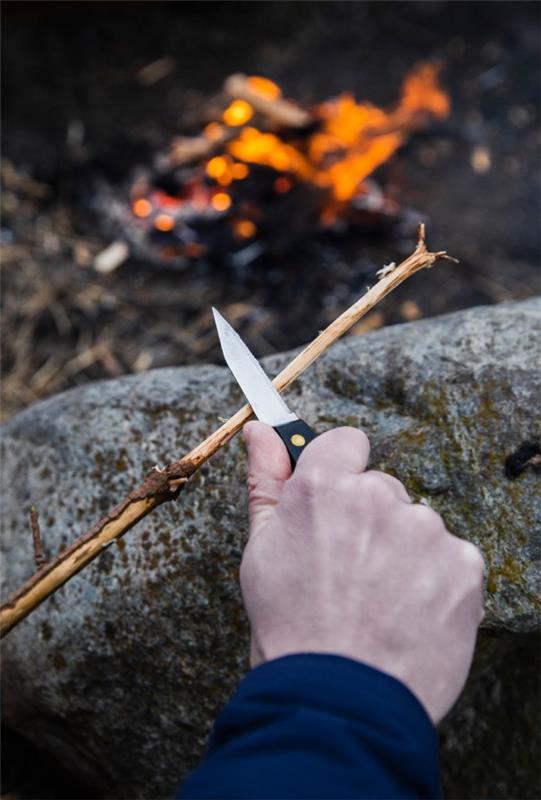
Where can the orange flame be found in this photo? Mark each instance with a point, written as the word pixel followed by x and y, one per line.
pixel 353 138
pixel 267 149
pixel 348 142
pixel 421 92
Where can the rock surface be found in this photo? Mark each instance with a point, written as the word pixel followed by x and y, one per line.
pixel 122 671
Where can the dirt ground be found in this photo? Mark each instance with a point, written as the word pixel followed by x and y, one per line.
pixel 75 107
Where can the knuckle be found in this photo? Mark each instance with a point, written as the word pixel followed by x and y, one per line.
pixel 469 568
pixel 392 483
pixel 426 518
pixel 310 481
pixel 344 484
pixel 348 434
pixel 374 484
pixel 346 440
pixel 375 475
pixel 361 437
pixel 474 558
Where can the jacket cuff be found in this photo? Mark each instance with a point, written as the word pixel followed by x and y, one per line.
pixel 318 726
pixel 344 688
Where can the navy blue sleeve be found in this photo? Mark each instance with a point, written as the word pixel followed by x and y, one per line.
pixel 319 726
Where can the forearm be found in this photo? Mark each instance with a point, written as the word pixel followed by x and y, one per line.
pixel 309 726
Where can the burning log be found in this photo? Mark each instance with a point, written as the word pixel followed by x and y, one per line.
pixel 164 484
pixel 187 149
pixel 251 94
pixel 265 97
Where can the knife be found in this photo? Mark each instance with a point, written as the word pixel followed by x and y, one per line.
pixel 266 402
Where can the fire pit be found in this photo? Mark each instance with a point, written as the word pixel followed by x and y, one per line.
pixel 266 173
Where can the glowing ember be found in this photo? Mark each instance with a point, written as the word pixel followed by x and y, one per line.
pixel 213 131
pixel 221 201
pixel 217 167
pixel 327 217
pixel 142 208
pixel 164 222
pixel 244 228
pixel 282 184
pixel 163 200
pixel 240 171
pixel 194 250
pixel 238 113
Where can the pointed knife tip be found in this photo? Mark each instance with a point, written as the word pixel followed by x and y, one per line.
pixel 222 325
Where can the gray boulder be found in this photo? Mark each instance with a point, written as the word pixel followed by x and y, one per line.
pixel 121 673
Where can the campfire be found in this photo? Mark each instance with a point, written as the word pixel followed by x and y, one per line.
pixel 265 172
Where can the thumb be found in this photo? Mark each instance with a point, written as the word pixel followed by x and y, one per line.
pixel 269 468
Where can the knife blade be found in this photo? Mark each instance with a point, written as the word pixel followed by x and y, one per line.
pixel 268 405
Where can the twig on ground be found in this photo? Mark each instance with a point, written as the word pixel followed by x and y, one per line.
pixel 165 484
pixel 39 555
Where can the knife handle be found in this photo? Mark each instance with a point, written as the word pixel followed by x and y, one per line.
pixel 295 435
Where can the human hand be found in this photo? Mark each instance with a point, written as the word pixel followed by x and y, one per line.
pixel 340 561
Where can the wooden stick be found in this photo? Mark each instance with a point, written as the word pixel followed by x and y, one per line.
pixel 187 149
pixel 165 484
pixel 283 112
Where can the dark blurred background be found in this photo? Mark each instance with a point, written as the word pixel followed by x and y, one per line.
pixel 76 105
pixel 78 110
